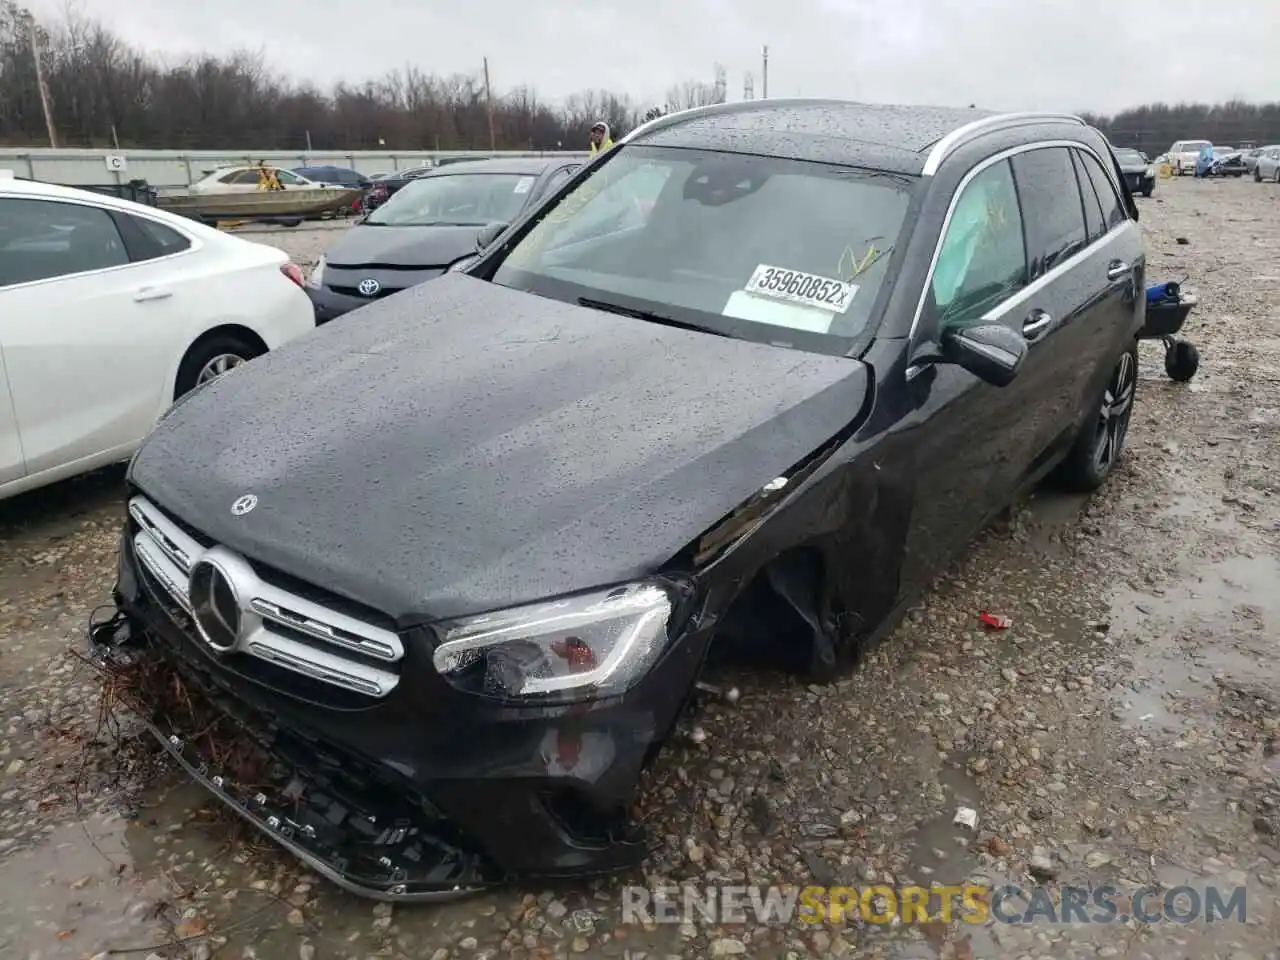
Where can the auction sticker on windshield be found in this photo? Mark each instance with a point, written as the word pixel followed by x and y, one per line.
pixel 523 185
pixel 809 289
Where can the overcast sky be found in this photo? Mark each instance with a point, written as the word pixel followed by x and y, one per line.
pixel 1017 54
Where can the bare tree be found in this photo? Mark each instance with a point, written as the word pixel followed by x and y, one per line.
pixel 101 88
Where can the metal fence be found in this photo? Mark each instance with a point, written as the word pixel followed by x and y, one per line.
pixel 181 168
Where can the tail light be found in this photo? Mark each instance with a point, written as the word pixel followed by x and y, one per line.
pixel 291 271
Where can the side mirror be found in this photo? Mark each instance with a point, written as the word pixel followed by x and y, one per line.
pixel 991 352
pixel 488 234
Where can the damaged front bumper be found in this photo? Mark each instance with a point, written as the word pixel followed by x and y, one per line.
pixel 413 800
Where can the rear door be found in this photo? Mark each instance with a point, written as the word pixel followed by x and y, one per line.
pixel 1065 289
pixel 1116 263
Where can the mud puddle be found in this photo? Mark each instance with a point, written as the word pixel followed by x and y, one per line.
pixel 78 891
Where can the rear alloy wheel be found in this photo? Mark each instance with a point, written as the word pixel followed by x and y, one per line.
pixel 211 359
pixel 217 366
pixel 1101 440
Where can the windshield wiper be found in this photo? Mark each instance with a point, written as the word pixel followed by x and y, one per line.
pixel 650 316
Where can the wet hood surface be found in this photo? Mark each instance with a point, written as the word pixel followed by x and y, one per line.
pixel 364 245
pixel 466 446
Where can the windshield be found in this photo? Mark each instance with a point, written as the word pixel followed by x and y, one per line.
pixel 461 199
pixel 1129 157
pixel 760 248
pixel 1195 146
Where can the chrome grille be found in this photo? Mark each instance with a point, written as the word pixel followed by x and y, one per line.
pixel 277 626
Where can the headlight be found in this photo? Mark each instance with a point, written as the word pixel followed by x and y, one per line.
pixel 586 646
pixel 316 280
pixel 1151 171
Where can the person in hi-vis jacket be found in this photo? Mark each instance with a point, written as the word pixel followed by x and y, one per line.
pixel 600 139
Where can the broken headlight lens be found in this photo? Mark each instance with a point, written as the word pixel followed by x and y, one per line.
pixel 585 646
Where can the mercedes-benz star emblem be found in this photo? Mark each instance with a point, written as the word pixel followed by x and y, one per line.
pixel 214 606
pixel 243 505
pixel 369 287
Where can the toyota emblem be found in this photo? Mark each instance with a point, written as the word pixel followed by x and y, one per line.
pixel 369 287
pixel 243 505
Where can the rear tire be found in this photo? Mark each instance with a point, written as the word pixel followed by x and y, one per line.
pixel 1257 175
pixel 1100 443
pixel 209 358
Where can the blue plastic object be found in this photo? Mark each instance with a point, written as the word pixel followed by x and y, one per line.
pixel 1162 291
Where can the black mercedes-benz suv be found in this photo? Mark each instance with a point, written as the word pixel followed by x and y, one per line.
pixel 741 386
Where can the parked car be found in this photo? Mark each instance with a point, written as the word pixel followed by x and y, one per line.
pixel 1267 164
pixel 393 183
pixel 743 389
pixel 1184 154
pixel 1227 162
pixel 334 176
pixel 425 228
pixel 331 176
pixel 1139 174
pixel 109 311
pixel 1250 157
pixel 243 179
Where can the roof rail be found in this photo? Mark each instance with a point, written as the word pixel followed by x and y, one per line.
pixel 952 141
pixel 720 109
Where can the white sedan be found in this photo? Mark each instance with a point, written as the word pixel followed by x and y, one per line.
pixel 110 311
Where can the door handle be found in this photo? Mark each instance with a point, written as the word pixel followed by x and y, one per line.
pixel 1037 322
pixel 1118 270
pixel 151 293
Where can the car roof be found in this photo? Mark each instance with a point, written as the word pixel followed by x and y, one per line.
pixel 38 189
pixel 891 137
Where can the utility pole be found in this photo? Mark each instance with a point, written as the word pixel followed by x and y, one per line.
pixel 764 74
pixel 34 37
pixel 308 143
pixel 488 96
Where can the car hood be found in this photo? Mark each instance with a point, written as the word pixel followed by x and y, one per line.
pixel 368 246
pixel 469 447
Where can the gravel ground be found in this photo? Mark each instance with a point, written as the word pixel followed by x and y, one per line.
pixel 1124 729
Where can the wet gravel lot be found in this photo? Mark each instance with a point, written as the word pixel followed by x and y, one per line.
pixel 1124 729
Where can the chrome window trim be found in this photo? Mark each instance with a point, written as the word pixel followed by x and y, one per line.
pixel 948 144
pixel 959 191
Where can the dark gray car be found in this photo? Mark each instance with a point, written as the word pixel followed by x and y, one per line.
pixel 426 227
pixel 1137 169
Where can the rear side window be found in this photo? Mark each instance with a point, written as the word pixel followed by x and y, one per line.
pixel 43 239
pixel 148 239
pixel 1051 207
pixel 1112 208
pixel 1093 218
